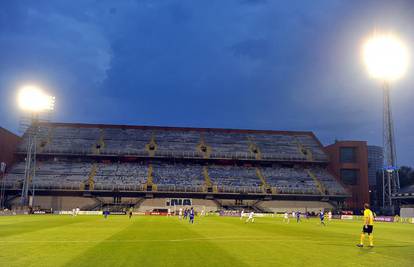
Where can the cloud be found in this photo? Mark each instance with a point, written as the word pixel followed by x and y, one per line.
pixel 54 40
pixel 244 63
pixel 253 2
pixel 251 48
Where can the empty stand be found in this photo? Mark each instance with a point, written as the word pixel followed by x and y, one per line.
pixel 233 144
pixel 178 177
pixel 235 178
pixel 93 157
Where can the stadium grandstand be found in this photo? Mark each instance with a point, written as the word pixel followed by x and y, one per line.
pixel 94 166
pixel 405 199
pixel 405 193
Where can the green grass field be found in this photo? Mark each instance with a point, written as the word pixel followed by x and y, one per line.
pixel 43 240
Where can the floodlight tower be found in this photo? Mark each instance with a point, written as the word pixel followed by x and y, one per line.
pixel 387 60
pixel 34 101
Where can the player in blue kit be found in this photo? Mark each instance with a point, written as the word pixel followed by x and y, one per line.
pixel 298 216
pixel 322 217
pixel 191 215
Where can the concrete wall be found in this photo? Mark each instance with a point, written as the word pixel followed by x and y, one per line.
pixel 407 212
pixel 160 203
pixel 59 202
pixel 289 206
pixel 84 203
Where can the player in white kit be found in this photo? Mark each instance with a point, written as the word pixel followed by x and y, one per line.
pixel 251 217
pixel 330 215
pixel 180 213
pixel 241 214
pixel 286 217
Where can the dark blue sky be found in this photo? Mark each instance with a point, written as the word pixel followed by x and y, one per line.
pixel 259 64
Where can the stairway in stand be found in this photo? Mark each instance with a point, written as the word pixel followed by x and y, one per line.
pixel 207 181
pixel 100 144
pixel 91 176
pixel 150 177
pixel 306 152
pixel 319 184
pixel 44 141
pixel 152 146
pixel 203 148
pixel 264 185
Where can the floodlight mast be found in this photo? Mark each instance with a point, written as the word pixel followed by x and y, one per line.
pixel 33 100
pixel 387 59
pixel 30 163
pixel 390 175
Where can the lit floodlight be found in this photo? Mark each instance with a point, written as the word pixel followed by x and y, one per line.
pixel 33 99
pixel 386 57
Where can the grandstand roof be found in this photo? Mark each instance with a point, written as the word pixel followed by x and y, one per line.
pixel 407 189
pixel 405 194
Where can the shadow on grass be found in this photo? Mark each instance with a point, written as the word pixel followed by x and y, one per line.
pixel 363 248
pixel 33 226
pixel 165 251
pixel 394 246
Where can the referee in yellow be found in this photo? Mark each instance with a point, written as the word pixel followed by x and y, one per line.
pixel 368 227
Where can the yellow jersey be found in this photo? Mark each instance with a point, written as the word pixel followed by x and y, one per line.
pixel 368 217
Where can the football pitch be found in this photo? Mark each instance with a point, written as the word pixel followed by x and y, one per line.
pixel 47 240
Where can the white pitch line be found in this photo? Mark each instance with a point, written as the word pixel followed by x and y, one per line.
pixel 221 239
pixel 146 240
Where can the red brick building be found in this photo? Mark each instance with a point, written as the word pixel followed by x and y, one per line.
pixel 349 163
pixel 8 144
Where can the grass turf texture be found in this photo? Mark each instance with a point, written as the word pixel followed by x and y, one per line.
pixel 47 240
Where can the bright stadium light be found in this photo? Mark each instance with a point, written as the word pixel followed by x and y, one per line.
pixel 386 57
pixel 32 99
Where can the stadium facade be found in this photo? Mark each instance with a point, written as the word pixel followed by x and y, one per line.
pixel 8 144
pixel 95 166
pixel 349 162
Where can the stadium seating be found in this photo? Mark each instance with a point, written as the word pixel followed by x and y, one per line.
pixel 177 142
pixel 73 139
pixel 290 180
pixel 329 182
pixel 312 144
pixel 278 146
pixel 183 141
pixel 125 141
pixel 234 178
pixel 232 144
pixel 178 177
pixel 93 158
pixel 112 176
pixel 50 174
